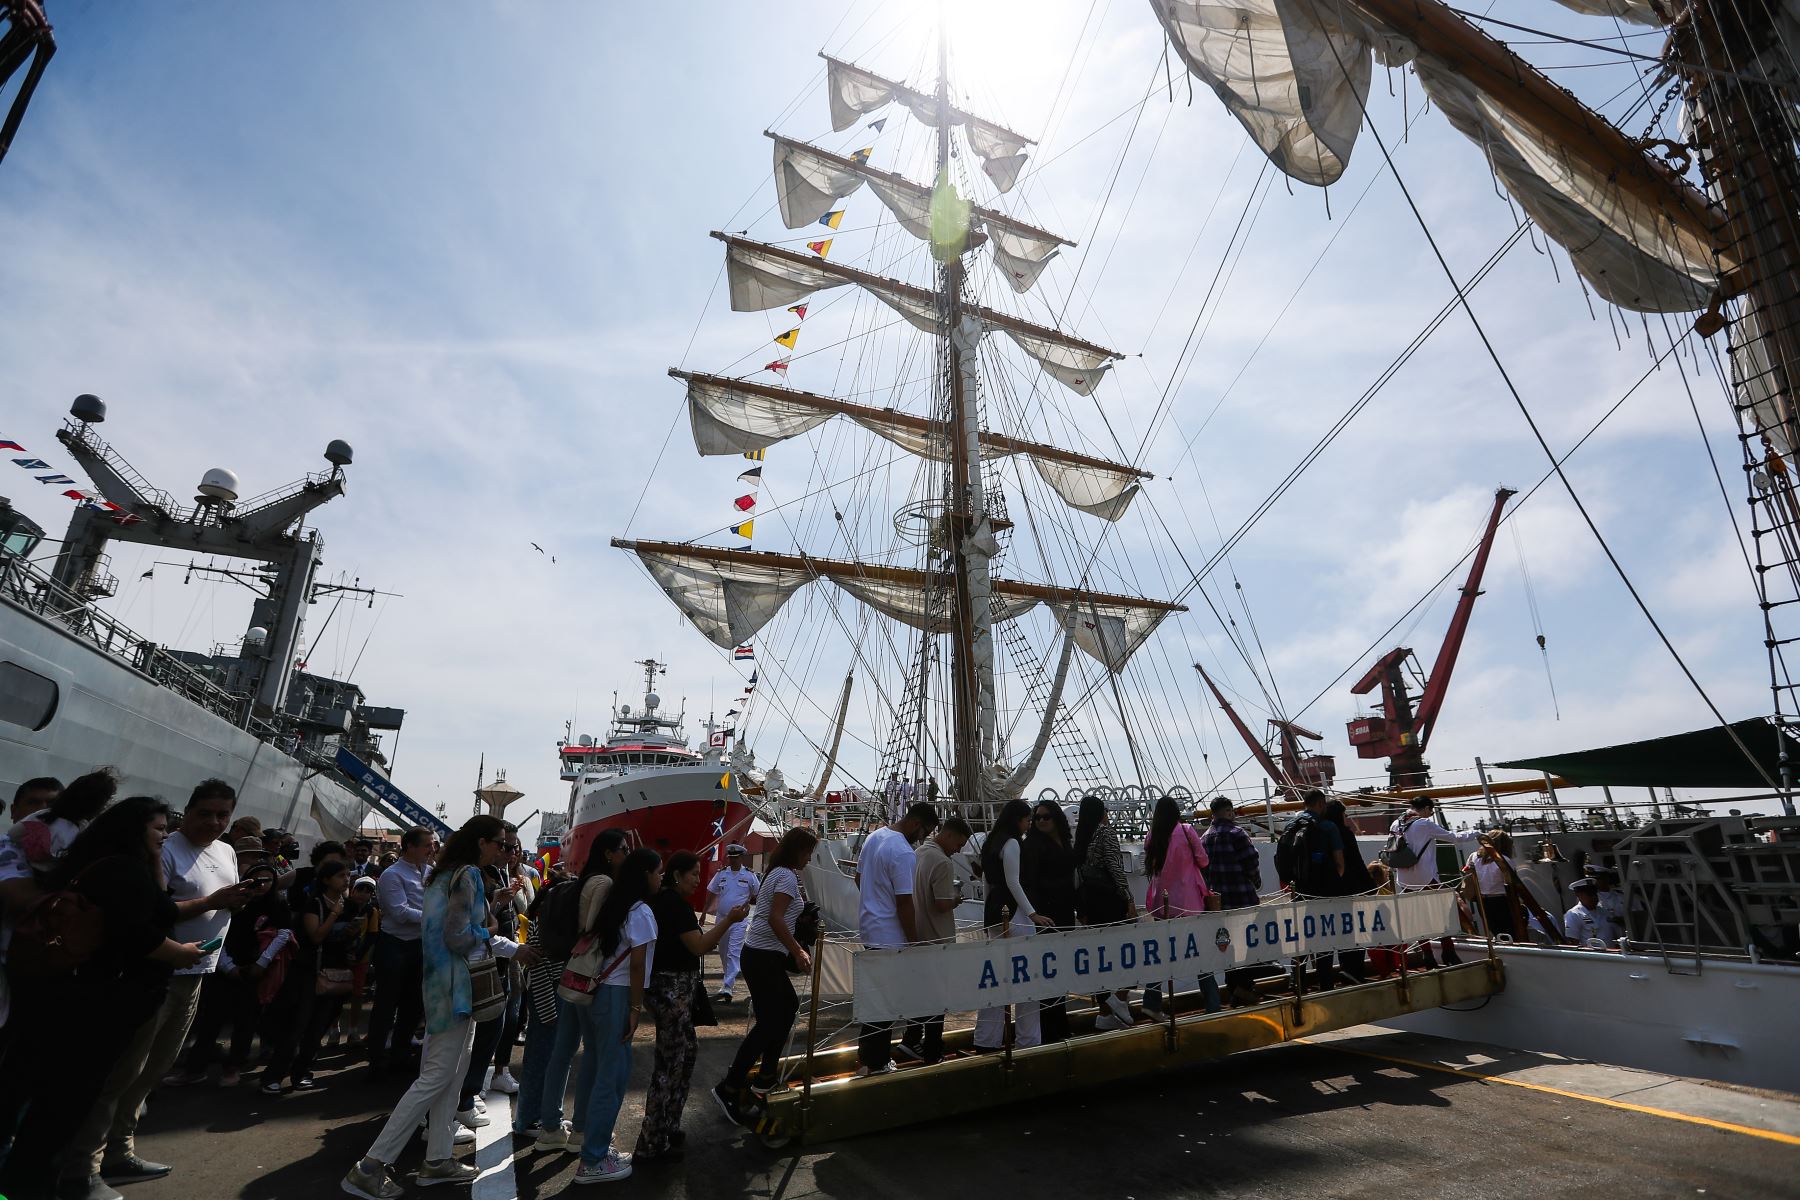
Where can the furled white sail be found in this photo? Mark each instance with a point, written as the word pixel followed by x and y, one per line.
pixel 809 182
pixel 728 419
pixel 909 604
pixel 1108 634
pixel 854 93
pixel 1639 11
pixel 760 280
pixel 727 603
pixel 1631 254
pixel 1293 72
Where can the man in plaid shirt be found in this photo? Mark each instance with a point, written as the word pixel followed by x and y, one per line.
pixel 1234 871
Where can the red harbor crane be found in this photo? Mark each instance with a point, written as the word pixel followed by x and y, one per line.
pixel 1401 731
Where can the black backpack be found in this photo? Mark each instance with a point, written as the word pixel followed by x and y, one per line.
pixel 1399 852
pixel 1303 858
pixel 559 920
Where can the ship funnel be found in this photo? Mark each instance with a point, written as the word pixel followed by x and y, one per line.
pixel 337 453
pixel 218 486
pixel 88 408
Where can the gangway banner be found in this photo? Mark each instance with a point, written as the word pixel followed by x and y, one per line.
pixel 893 985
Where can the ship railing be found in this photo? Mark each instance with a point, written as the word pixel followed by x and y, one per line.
pixel 29 587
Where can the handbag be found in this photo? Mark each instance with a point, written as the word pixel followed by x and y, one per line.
pixel 806 932
pixel 700 1009
pixel 487 999
pixel 332 981
pixel 59 933
pixel 577 986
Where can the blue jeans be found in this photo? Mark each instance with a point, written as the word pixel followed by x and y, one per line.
pixel 565 1040
pixel 528 1106
pixel 605 1070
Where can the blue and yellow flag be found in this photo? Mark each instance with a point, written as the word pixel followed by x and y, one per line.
pixel 861 157
pixel 756 455
pixel 832 219
pixel 743 530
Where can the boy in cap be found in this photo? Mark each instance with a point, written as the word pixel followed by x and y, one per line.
pixel 735 885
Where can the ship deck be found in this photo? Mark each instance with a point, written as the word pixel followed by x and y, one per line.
pixel 1361 1112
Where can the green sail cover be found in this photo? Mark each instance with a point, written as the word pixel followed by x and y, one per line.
pixel 1705 758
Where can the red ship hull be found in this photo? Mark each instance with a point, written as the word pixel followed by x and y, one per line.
pixel 699 826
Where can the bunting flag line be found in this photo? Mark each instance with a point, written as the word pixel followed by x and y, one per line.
pixel 743 530
pixel 742 653
pixel 6 445
pixel 744 503
pixel 861 157
pixel 38 464
pixel 787 340
pixel 753 679
pixel 879 124
pixel 55 480
pixel 799 310
pixel 756 455
pixel 832 219
pixel 822 248
pixel 779 366
pixel 753 475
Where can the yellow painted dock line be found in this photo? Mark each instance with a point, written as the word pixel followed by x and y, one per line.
pixel 1771 1135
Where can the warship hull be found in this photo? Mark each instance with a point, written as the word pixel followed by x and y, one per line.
pixel 108 713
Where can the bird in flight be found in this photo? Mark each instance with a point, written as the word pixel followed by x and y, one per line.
pixel 537 547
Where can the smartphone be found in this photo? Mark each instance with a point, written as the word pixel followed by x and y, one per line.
pixel 211 944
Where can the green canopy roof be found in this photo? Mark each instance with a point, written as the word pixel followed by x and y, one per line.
pixel 1705 758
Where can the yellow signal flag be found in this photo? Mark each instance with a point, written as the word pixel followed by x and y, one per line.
pixel 724 783
pixel 822 249
pixel 833 219
pixel 789 338
pixel 743 530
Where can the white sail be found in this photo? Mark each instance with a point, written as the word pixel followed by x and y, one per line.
pixel 1631 254
pixel 1639 11
pixel 854 93
pixel 1280 67
pixel 759 279
pixel 727 604
pixel 908 604
pixel 809 182
pixel 728 418
pixel 1108 634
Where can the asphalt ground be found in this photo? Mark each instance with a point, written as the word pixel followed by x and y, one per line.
pixel 1365 1112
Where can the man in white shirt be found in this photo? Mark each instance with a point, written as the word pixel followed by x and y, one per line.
pixel 735 885
pixel 1587 921
pixel 399 960
pixel 201 871
pixel 1422 834
pixel 886 920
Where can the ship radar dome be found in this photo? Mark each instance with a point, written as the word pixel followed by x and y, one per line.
pixel 651 701
pixel 587 740
pixel 337 453
pixel 88 408
pixel 219 484
pixel 256 635
pixel 625 710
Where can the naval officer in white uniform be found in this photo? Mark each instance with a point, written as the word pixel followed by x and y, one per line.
pixel 735 885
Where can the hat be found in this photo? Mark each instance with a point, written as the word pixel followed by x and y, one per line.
pixel 1579 884
pixel 363 881
pixel 734 850
pixel 249 845
pixel 276 832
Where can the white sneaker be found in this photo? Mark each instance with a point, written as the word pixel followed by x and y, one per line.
pixel 864 1072
pixel 1120 1010
pixel 479 1104
pixel 610 1169
pixel 504 1082
pixel 469 1118
pixel 464 1136
pixel 560 1139
pixel 487 1081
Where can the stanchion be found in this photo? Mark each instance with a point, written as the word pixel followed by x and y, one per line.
pixel 812 1028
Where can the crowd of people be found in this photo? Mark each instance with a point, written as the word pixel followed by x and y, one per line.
pixel 160 933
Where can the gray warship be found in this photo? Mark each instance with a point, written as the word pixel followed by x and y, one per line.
pixel 80 690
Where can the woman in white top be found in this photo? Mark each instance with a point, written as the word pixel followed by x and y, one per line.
pixel 1496 907
pixel 1000 855
pixel 769 949
pixel 627 933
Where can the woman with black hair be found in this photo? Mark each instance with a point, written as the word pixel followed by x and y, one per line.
pixel 555 1034
pixel 1175 863
pixel 456 942
pixel 1047 866
pixel 328 922
pixel 627 939
pixel 1102 891
pixel 770 951
pixel 1008 911
pixel 115 863
pixel 1353 882
pixel 669 996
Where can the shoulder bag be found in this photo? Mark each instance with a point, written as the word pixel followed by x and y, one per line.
pixel 58 933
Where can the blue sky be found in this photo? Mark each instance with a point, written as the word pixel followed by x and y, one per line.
pixel 470 239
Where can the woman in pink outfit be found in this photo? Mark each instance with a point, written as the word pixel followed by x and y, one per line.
pixel 1175 863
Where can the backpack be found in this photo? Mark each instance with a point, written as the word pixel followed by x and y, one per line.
pixel 558 920
pixel 1399 852
pixel 1302 858
pixel 58 933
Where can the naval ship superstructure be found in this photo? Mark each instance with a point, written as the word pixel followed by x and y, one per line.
pixel 81 690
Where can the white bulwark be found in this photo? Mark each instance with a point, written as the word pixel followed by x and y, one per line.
pixel 961 976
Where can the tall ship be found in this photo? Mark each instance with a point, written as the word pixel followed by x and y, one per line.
pixel 646 780
pixel 80 690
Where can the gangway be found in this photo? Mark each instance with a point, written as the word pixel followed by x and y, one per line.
pixel 380 791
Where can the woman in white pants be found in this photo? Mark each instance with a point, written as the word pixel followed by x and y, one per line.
pixel 456 938
pixel 1000 875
